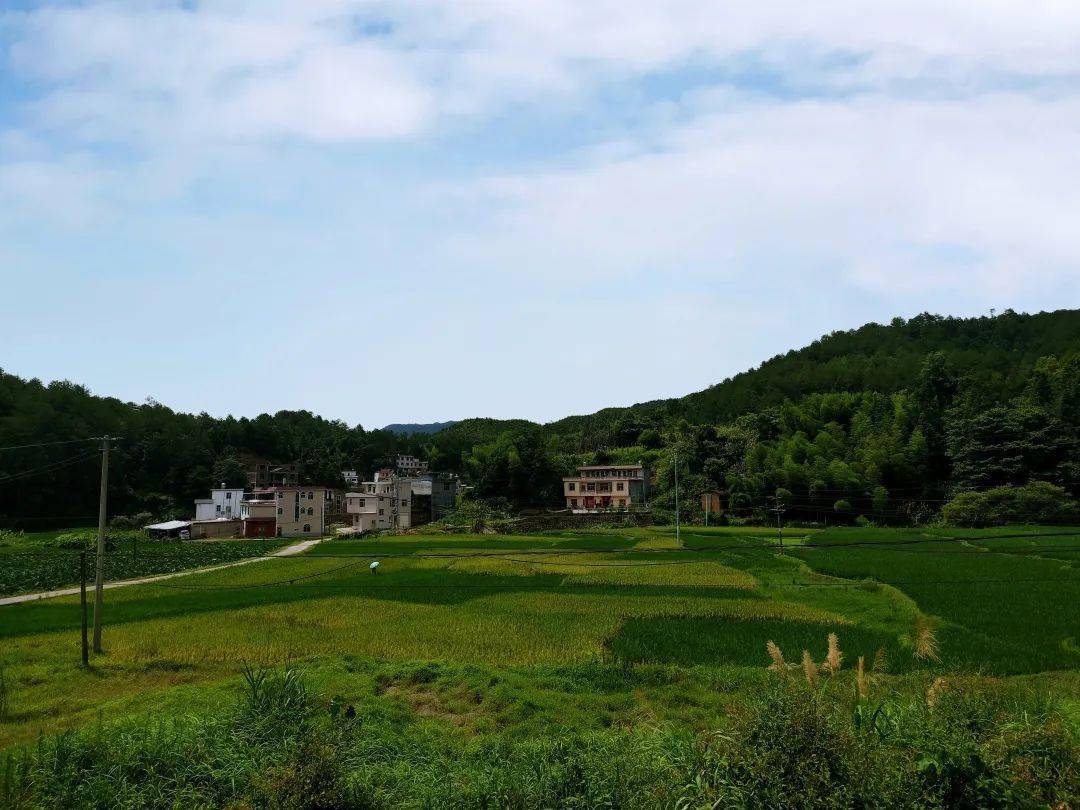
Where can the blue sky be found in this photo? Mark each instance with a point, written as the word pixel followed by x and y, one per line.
pixel 428 210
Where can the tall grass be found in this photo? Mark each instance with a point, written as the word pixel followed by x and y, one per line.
pixel 788 747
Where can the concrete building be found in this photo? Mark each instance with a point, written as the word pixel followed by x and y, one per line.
pixel 259 514
pixel 263 473
pixel 350 477
pixel 607 486
pixel 368 512
pixel 443 488
pixel 410 466
pixel 296 511
pixel 385 503
pixel 223 503
pixel 390 501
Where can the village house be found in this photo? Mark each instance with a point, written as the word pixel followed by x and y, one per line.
pixel 223 504
pixel 410 465
pixel 296 511
pixel 606 487
pixel 434 495
pixel 262 472
pixel 384 503
pixel 398 502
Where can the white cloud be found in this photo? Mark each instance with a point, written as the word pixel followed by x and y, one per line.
pixel 343 70
pixel 902 168
pixel 891 195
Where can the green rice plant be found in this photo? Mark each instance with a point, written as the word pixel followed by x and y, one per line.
pixel 5 696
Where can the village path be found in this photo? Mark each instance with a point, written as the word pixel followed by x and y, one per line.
pixel 288 551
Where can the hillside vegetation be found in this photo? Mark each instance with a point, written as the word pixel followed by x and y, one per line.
pixel 886 422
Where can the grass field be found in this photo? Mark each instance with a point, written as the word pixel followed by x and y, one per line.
pixel 514 635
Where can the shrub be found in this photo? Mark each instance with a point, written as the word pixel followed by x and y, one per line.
pixel 790 746
pixel 477 516
pixel 10 537
pixel 1036 502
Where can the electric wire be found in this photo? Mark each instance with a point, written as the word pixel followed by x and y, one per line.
pixel 50 444
pixel 47 468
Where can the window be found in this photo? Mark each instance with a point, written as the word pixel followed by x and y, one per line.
pixel 218 508
pixel 307 528
pixel 380 511
pixel 573 501
pixel 362 502
pixel 590 487
pixel 622 501
pixel 280 511
pixel 311 496
pixel 228 496
pixel 620 486
pixel 404 503
pixel 310 511
pixel 572 486
pixel 280 495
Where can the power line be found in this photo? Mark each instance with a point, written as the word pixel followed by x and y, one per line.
pixel 47 468
pixel 49 444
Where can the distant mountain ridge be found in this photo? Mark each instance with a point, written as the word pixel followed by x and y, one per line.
pixel 410 428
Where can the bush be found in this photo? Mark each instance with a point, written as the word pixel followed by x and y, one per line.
pixel 791 746
pixel 10 537
pixel 795 746
pixel 1036 502
pixel 477 516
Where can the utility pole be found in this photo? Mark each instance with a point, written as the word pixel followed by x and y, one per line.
pixel 779 509
pixel 99 572
pixel 82 600
pixel 678 537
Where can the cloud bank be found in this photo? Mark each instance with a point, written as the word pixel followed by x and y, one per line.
pixel 548 160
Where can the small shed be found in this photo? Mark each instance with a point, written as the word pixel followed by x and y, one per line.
pixel 179 529
pixel 219 527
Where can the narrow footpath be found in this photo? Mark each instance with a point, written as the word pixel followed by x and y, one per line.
pixel 288 551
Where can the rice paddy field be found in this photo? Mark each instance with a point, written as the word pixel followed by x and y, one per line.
pixel 470 636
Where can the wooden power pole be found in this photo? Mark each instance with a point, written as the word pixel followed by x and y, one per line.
pixel 678 536
pixel 82 601
pixel 99 573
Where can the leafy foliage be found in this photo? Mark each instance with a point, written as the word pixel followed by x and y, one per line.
pixel 791 747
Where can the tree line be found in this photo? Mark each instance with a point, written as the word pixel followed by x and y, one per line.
pixel 885 423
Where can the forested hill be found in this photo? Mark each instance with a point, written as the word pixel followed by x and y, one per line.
pixel 996 352
pixel 896 416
